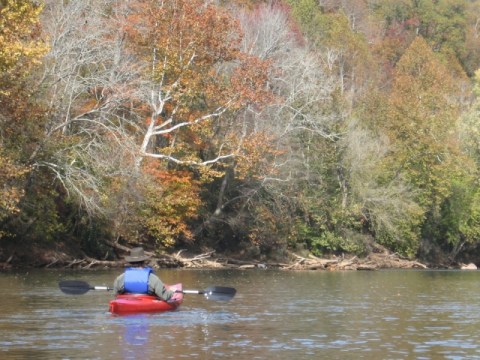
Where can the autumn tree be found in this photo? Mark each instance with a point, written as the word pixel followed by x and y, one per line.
pixel 195 79
pixel 122 88
pixel 421 125
pixel 11 193
pixel 21 49
pixel 196 74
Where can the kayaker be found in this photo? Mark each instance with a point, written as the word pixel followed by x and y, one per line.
pixel 139 278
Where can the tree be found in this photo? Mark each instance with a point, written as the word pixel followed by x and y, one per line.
pixel 421 126
pixel 122 89
pixel 196 74
pixel 423 121
pixel 90 83
pixel 20 51
pixel 460 212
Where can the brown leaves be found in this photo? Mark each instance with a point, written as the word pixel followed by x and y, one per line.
pixel 256 160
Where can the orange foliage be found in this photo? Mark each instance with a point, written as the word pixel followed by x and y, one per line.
pixel 249 81
pixel 257 158
pixel 172 201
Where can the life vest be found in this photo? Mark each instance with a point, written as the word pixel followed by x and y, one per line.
pixel 136 280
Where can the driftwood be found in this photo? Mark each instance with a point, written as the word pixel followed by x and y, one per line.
pixel 209 259
pixel 371 262
pixel 204 260
pixel 7 264
pixel 470 266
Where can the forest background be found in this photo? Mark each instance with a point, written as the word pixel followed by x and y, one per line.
pixel 249 128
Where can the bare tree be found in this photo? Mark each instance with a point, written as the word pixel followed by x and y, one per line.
pixel 387 206
pixel 299 77
pixel 90 83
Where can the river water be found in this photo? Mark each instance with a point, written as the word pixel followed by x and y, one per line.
pixel 275 315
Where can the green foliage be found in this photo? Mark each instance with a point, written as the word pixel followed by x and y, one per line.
pixel 329 243
pixel 321 241
pixel 309 16
pixel 421 124
pixel 460 214
pixel 469 127
pixel 40 219
pixel 406 241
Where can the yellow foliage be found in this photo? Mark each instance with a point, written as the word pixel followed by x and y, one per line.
pixel 19 30
pixel 10 189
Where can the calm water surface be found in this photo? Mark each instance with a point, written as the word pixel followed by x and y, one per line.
pixel 275 315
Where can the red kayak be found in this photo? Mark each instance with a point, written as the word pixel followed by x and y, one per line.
pixel 141 303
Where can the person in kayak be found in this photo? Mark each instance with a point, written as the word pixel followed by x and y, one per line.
pixel 139 278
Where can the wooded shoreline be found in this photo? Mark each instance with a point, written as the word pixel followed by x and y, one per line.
pixel 245 127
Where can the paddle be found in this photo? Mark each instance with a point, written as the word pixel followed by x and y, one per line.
pixel 78 287
pixel 215 293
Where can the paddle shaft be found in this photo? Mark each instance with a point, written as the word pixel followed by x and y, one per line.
pixel 101 288
pixel 200 292
pixel 77 287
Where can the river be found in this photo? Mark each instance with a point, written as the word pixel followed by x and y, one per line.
pixel 275 315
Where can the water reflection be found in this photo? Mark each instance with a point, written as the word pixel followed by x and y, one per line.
pixel 135 336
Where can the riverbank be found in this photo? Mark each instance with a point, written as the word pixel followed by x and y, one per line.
pixel 16 256
pixel 68 259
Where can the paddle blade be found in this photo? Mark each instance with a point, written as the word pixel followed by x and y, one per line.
pixel 74 287
pixel 219 293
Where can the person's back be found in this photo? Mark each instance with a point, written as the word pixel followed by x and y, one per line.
pixel 139 279
pixel 136 280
